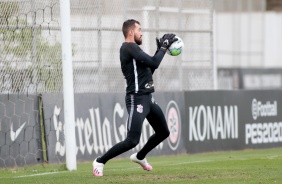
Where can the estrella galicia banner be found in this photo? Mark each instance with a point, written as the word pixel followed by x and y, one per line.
pixel 232 120
pixel 20 136
pixel 101 122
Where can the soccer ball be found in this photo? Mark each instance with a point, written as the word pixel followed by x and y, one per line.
pixel 176 47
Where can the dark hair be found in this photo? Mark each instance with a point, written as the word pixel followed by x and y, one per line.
pixel 127 25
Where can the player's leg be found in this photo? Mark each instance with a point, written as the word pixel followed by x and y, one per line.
pixel 137 111
pixel 130 142
pixel 158 122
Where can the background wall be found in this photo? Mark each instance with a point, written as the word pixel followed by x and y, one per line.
pixel 248 33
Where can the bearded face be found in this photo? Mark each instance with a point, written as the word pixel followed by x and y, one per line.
pixel 138 39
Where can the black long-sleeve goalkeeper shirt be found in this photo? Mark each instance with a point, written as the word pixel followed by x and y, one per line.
pixel 138 68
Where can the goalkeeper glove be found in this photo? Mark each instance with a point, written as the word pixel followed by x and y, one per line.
pixel 167 40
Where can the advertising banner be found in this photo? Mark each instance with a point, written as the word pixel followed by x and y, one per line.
pixel 232 120
pixel 20 136
pixel 100 123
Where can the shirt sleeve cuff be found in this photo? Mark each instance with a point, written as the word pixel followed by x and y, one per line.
pixel 163 49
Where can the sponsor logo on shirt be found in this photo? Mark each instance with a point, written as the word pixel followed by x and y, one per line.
pixel 149 85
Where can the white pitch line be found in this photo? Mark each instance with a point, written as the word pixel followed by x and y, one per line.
pixel 205 161
pixel 190 162
pixel 39 174
pixel 129 168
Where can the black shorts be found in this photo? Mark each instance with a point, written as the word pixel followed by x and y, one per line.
pixel 140 107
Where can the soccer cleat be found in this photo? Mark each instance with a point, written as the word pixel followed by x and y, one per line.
pixel 97 168
pixel 144 164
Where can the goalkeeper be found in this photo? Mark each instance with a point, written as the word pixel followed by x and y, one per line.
pixel 138 68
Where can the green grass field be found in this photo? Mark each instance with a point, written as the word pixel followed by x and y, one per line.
pixel 249 166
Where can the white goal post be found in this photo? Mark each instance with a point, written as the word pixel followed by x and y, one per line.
pixel 68 85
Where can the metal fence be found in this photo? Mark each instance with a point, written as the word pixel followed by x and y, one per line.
pixel 30 48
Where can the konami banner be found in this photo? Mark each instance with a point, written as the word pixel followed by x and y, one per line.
pixel 101 122
pixel 233 120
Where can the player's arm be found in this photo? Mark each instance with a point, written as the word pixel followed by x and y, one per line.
pixel 158 43
pixel 154 62
pixel 153 69
pixel 162 45
pixel 139 55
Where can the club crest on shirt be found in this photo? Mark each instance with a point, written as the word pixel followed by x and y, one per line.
pixel 139 108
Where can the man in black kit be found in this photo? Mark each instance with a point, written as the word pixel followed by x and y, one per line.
pixel 138 68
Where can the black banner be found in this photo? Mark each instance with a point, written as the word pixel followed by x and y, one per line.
pixel 199 121
pixel 20 137
pixel 232 120
pixel 101 120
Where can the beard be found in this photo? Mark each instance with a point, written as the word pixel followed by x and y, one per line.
pixel 138 41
